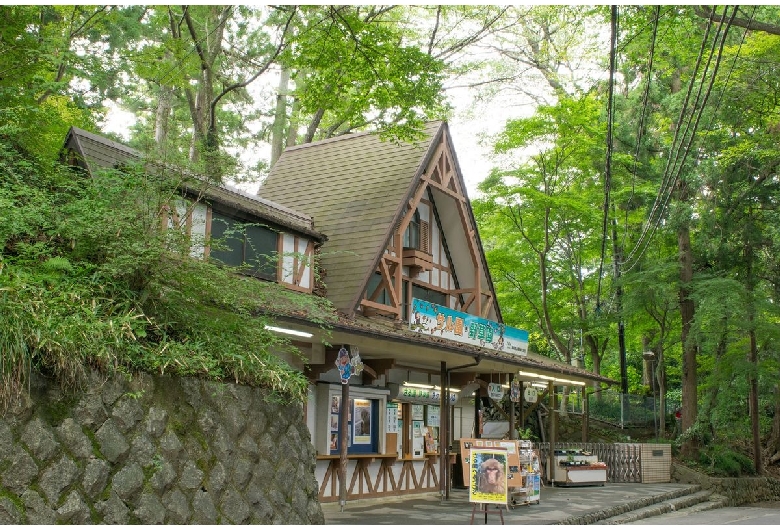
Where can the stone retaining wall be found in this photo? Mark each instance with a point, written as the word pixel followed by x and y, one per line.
pixel 156 450
pixel 737 491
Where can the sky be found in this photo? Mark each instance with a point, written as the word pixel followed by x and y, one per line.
pixel 469 136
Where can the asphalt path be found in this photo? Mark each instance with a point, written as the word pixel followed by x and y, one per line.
pixel 767 513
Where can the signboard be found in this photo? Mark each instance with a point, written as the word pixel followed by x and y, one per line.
pixel 530 394
pixel 412 394
pixel 514 476
pixel 487 475
pixel 432 416
pixel 439 321
pixel 495 391
pixel 392 418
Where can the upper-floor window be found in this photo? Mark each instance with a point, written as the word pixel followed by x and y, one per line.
pixel 412 234
pixel 248 246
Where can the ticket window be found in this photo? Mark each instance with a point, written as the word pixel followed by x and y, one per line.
pixel 362 425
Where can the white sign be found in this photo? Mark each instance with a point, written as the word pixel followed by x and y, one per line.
pixel 392 418
pixel 495 391
pixel 433 416
pixel 530 394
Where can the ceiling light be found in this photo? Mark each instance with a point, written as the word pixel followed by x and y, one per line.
pixel 528 374
pixel 289 331
pixel 418 385
pixel 539 385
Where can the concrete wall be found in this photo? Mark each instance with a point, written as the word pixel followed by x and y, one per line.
pixel 155 450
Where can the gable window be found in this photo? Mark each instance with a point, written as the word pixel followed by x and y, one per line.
pixel 412 234
pixel 251 248
pixel 429 295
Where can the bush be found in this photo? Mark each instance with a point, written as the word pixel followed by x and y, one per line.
pixel 723 461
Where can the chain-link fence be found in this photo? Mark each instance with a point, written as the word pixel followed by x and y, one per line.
pixel 627 410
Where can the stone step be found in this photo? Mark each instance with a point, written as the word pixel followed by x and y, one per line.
pixel 614 513
pixel 691 503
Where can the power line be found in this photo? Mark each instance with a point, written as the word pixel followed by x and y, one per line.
pixel 673 169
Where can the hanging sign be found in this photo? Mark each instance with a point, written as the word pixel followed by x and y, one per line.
pixel 530 394
pixel 495 391
pixel 514 391
pixel 348 365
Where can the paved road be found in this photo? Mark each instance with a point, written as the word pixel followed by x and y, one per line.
pixel 557 505
pixel 756 514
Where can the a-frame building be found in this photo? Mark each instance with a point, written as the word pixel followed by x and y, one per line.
pixel 400 228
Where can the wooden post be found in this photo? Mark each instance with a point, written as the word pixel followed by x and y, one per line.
pixel 585 414
pixel 512 431
pixel 444 453
pixel 343 432
pixel 551 430
pixel 522 406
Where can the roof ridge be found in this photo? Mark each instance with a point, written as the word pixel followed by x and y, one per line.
pixel 349 136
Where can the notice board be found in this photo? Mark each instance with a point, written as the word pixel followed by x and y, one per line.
pixel 514 478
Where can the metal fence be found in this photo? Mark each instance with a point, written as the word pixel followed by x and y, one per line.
pixel 624 462
pixel 627 410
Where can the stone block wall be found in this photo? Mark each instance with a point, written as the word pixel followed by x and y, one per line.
pixel 737 491
pixel 155 450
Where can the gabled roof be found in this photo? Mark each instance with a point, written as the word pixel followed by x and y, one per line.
pixel 95 152
pixel 356 187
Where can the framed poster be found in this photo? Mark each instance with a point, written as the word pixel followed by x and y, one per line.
pixel 417 412
pixel 487 475
pixel 361 426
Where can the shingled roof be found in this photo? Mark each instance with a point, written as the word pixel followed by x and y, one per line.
pixel 354 186
pixel 95 152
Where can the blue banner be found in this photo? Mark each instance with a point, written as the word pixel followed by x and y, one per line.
pixel 439 321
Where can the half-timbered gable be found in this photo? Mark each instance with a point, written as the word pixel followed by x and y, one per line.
pixel 398 220
pixel 264 239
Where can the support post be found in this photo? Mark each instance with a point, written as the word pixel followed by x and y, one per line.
pixel 551 430
pixel 444 445
pixel 344 413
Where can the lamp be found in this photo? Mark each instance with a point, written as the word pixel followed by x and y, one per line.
pixel 289 331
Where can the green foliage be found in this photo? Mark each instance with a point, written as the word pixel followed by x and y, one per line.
pixel 88 280
pixel 721 460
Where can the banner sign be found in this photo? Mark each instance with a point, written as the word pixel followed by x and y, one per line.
pixel 439 321
pixel 412 394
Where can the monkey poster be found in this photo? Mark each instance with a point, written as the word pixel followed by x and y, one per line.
pixel 487 475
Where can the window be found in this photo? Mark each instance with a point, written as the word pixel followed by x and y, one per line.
pixel 429 295
pixel 248 246
pixel 412 234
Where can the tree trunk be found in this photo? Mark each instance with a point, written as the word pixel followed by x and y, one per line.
pixel 162 116
pixel 280 117
pixel 689 376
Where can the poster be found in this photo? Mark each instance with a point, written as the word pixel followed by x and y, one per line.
pixel 361 425
pixel 334 404
pixel 432 419
pixel 487 475
pixel 334 422
pixel 392 418
pixel 417 412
